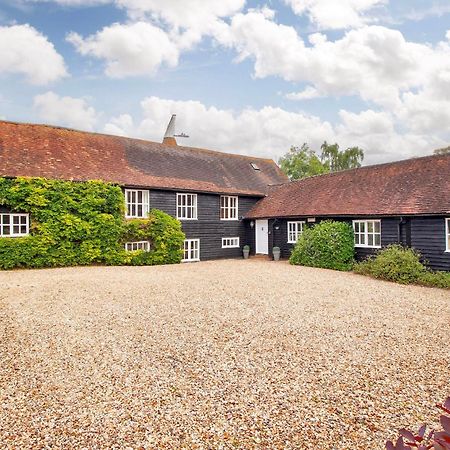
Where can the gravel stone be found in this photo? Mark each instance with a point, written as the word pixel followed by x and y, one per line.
pixel 217 355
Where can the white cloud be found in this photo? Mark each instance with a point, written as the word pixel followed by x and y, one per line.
pixel 269 132
pixel 188 21
pixel 376 133
pixel 65 111
pixel 73 2
pixel 128 50
pixel 332 14
pixel 376 63
pixel 266 132
pixel 433 10
pixel 156 35
pixel 307 94
pixel 25 51
pixel 182 14
pixel 120 126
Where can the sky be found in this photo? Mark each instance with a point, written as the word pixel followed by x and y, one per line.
pixel 242 76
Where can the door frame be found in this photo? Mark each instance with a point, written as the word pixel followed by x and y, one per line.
pixel 261 237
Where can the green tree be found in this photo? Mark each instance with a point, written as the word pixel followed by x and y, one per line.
pixel 442 151
pixel 335 159
pixel 301 162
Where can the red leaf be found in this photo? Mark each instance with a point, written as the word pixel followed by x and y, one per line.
pixel 389 445
pixel 442 437
pixel 446 406
pixel 407 435
pixel 421 432
pixel 445 422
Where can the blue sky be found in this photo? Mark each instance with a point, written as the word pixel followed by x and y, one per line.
pixel 246 77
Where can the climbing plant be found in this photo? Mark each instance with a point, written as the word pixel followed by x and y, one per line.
pixel 80 223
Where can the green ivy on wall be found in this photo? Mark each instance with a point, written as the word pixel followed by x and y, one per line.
pixel 80 223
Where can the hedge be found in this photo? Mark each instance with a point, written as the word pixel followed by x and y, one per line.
pixel 81 223
pixel 329 245
pixel 402 265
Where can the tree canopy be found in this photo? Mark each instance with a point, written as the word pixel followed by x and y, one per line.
pixel 442 151
pixel 302 162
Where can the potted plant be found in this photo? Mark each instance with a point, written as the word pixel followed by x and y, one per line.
pixel 246 251
pixel 276 253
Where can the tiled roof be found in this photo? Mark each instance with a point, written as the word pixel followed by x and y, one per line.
pixel 61 153
pixel 413 186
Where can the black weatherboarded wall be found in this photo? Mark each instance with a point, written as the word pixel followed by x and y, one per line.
pixel 425 234
pixel 209 228
pixel 428 237
pixel 389 234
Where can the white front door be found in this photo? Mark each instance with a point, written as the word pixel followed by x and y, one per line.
pixel 262 237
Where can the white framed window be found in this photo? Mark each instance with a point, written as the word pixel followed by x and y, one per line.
pixel 137 203
pixel 294 231
pixel 139 245
pixel 447 234
pixel 367 233
pixel 187 206
pixel 229 208
pixel 191 250
pixel 232 242
pixel 14 225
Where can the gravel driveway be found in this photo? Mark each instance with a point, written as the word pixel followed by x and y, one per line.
pixel 223 354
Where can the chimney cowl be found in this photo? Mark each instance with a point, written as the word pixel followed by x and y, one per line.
pixel 169 136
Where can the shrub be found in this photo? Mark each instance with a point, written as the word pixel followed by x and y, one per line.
pixel 80 223
pixel 329 245
pixel 434 440
pixel 435 279
pixel 393 263
pixel 165 236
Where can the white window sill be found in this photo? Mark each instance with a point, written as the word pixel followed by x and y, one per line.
pixel 186 220
pixel 230 220
pixel 190 260
pixel 14 235
pixel 234 246
pixel 291 242
pixel 367 246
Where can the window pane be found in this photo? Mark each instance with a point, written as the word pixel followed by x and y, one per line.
pixel 6 220
pixel 378 240
pixel 377 227
pixel 370 239
pixel 370 227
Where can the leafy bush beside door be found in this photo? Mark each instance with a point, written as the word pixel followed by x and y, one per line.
pixel 329 245
pixel 80 223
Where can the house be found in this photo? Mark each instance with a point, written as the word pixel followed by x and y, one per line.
pixel 209 192
pixel 406 202
pixel 225 201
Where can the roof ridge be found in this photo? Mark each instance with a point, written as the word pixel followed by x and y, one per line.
pixel 372 166
pixel 96 133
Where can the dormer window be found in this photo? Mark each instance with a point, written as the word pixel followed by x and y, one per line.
pixel 255 166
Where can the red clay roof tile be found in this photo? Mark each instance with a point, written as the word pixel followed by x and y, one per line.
pixel 413 186
pixel 61 153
